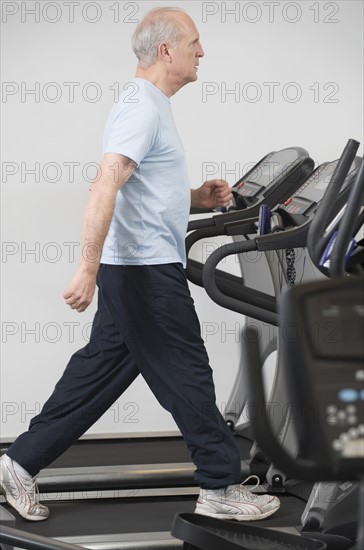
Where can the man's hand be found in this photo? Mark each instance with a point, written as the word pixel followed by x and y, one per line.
pixel 211 194
pixel 81 289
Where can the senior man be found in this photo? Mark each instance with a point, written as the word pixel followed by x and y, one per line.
pixel 133 237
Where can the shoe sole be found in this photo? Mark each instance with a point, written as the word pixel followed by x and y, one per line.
pixel 10 500
pixel 238 517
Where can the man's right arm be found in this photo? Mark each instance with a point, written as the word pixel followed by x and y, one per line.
pixel 113 173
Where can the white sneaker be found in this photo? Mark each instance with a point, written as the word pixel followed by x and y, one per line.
pixel 236 502
pixel 21 492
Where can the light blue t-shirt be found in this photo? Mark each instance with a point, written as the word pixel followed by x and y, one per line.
pixel 152 209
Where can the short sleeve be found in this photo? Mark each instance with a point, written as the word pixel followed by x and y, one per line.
pixel 132 130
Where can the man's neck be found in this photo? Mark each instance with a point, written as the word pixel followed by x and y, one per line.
pixel 157 76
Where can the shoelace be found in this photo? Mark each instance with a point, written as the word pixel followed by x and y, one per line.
pixel 31 489
pixel 248 496
pixel 245 492
pixel 257 482
pixel 28 487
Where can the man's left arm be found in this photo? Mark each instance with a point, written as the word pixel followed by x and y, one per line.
pixel 211 194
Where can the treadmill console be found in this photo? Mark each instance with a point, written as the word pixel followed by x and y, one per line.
pixel 248 188
pixel 266 174
pixel 339 378
pixel 313 189
pixel 330 360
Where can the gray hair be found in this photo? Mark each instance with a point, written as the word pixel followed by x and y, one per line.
pixel 155 28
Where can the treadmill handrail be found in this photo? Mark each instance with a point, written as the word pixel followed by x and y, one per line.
pixel 295 237
pixel 30 541
pixel 209 282
pixel 231 285
pixel 347 225
pixel 325 210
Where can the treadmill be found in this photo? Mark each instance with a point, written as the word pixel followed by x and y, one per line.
pixel 355 188
pixel 330 450
pixel 287 231
pixel 312 387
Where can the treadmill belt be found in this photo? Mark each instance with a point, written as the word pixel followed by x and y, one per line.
pixel 135 515
pixel 131 451
pixel 97 517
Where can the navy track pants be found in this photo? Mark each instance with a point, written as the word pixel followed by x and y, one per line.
pixel 145 323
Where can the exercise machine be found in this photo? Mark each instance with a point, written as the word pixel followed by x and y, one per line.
pixel 338 181
pixel 317 374
pixel 289 225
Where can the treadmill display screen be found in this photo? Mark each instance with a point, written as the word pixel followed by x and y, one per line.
pixel 273 166
pixel 267 171
pixel 314 188
pixel 248 188
pixel 296 205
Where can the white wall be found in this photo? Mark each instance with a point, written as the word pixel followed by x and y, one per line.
pixel 297 72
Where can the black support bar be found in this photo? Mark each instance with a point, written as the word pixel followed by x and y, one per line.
pixel 29 541
pixel 325 212
pixel 251 309
pixel 347 225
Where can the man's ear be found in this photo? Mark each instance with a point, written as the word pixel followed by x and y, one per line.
pixel 163 51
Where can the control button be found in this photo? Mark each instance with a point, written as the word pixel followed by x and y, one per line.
pixel 344 437
pixel 288 201
pixel 348 395
pixel 361 429
pixel 352 420
pixel 359 310
pixel 346 485
pixel 353 432
pixel 331 409
pixel 341 415
pixel 332 311
pixel 241 184
pixel 332 420
pixel 354 449
pixel 359 375
pixel 337 445
pixel 351 409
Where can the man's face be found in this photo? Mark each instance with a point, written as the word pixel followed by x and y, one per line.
pixel 186 55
